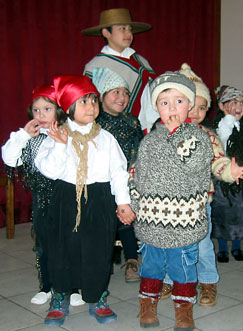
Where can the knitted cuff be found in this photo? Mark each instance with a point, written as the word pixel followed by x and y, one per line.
pixel 184 292
pixel 150 288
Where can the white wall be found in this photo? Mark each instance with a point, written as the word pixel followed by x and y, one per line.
pixel 231 70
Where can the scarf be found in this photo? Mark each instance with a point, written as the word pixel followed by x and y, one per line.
pixel 79 139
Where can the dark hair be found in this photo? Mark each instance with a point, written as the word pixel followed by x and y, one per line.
pixel 109 28
pixel 221 91
pixel 219 114
pixel 235 145
pixel 234 148
pixel 61 115
pixel 72 111
pixel 73 106
pixel 207 123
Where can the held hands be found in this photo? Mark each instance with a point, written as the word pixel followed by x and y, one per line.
pixel 173 122
pixel 236 171
pixel 33 127
pixel 59 135
pixel 125 214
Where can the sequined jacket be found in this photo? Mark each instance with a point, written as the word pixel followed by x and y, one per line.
pixel 127 131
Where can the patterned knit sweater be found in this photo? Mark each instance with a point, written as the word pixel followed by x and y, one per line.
pixel 221 164
pixel 170 187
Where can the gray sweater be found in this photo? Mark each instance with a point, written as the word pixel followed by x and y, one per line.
pixel 170 187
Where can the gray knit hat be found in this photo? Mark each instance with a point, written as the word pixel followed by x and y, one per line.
pixel 106 80
pixel 172 79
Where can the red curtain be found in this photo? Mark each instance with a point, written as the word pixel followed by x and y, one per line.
pixel 41 39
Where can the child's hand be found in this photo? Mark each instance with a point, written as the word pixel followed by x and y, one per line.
pixel 173 122
pixel 33 128
pixel 229 109
pixel 125 214
pixel 59 135
pixel 236 171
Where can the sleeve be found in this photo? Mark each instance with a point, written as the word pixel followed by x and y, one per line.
pixel 221 164
pixel 136 179
pixel 147 115
pixel 225 128
pixel 118 173
pixel 51 159
pixel 12 149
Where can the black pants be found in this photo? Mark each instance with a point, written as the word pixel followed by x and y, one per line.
pixel 129 241
pixel 81 259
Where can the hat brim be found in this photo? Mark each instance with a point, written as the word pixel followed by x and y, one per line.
pixel 136 28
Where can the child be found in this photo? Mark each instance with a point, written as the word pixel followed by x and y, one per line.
pixel 228 202
pixel 91 181
pixel 223 169
pixel 114 95
pixel 169 194
pixel 117 27
pixel 20 151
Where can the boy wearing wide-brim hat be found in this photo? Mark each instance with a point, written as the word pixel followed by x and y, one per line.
pixel 117 27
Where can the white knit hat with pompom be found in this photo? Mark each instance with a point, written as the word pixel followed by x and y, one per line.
pixel 201 89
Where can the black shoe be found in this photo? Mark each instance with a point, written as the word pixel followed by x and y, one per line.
pixel 238 254
pixel 223 257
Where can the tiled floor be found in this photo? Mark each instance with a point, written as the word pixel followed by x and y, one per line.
pixel 18 283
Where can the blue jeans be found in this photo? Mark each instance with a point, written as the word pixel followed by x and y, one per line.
pixel 179 263
pixel 206 267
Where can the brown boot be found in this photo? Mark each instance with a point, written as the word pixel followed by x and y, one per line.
pixel 166 291
pixel 184 316
pixel 208 294
pixel 131 272
pixel 148 312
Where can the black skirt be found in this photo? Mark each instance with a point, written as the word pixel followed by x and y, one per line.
pixel 81 259
pixel 227 215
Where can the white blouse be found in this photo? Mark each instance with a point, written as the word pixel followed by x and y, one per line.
pixel 106 161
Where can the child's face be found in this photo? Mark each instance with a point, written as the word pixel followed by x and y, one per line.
pixel 44 111
pixel 233 107
pixel 198 112
pixel 172 102
pixel 120 37
pixel 115 101
pixel 86 109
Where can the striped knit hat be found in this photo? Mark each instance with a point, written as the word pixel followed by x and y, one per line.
pixel 172 79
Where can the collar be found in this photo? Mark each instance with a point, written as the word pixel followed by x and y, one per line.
pixel 44 130
pixel 127 52
pixel 188 120
pixel 84 129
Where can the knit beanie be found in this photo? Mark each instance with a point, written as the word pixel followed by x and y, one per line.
pixel 106 80
pixel 172 79
pixel 201 89
pixel 229 93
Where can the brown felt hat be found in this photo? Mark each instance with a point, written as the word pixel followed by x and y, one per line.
pixel 115 17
